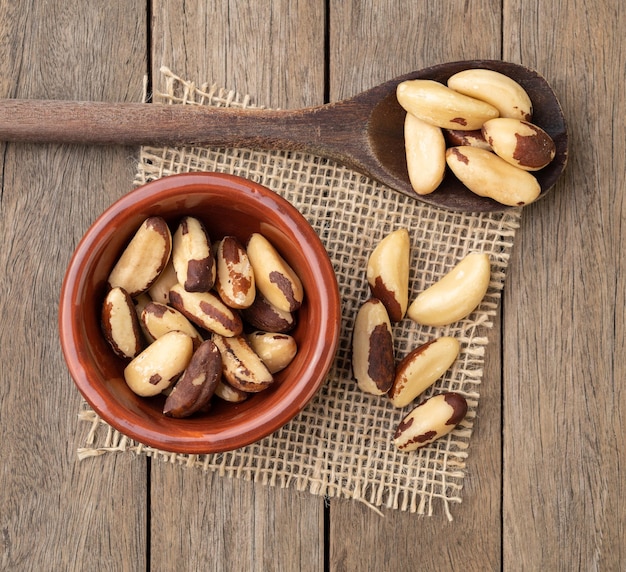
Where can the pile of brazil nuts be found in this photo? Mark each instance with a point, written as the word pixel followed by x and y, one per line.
pixel 452 298
pixel 196 318
pixel 480 126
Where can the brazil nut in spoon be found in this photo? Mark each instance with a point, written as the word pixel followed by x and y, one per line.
pixel 365 132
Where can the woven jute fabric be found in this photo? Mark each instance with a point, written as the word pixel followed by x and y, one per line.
pixel 341 444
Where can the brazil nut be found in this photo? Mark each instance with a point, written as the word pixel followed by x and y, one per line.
pixel 456 138
pixel 158 319
pixel 205 309
pixel 443 107
pixel 263 315
pixel 192 256
pixel 520 143
pixel 196 386
pixel 388 273
pixel 145 257
pixel 495 88
pixel 273 275
pixel 276 350
pixel 421 368
pixel 425 148
pixel 159 365
pixel 120 324
pixel 160 290
pixel 242 367
pixel 235 278
pixel 455 295
pixel 430 420
pixel 488 175
pixel 373 362
pixel 141 302
pixel 228 393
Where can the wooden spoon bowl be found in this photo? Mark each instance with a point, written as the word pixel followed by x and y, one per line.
pixel 365 132
pixel 385 132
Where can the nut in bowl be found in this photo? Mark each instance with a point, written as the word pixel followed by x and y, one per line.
pixel 228 206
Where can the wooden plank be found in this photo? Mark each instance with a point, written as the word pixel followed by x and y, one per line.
pixel 369 43
pixel 57 513
pixel 220 523
pixel 273 51
pixel 564 313
pixel 373 41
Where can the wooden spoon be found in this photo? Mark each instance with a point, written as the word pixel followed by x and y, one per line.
pixel 365 133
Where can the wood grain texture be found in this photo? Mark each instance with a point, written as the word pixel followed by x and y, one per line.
pixel 375 40
pixel 230 524
pixel 275 52
pixel 56 513
pixel 564 314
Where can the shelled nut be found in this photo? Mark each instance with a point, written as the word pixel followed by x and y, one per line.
pixel 388 273
pixel 373 362
pixel 120 324
pixel 144 258
pixel 421 368
pixel 430 420
pixel 455 295
pixel 196 386
pixel 443 107
pixel 159 365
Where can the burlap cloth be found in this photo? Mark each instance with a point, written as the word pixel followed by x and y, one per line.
pixel 340 445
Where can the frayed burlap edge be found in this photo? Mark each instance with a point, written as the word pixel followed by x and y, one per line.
pixel 340 445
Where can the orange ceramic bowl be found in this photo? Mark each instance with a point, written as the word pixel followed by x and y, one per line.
pixel 227 205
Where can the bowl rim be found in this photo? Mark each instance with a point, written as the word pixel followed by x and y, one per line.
pixel 195 441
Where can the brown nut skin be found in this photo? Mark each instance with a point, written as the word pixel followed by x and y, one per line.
pixel 205 309
pixel 373 364
pixel 144 258
pixel 120 324
pixel 242 367
pixel 235 278
pixel 262 315
pixel 192 256
pixel 430 420
pixel 196 386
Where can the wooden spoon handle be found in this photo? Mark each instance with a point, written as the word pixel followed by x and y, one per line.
pixel 48 121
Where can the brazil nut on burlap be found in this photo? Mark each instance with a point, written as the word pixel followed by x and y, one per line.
pixel 341 444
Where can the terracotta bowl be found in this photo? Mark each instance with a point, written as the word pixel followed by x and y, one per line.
pixel 227 205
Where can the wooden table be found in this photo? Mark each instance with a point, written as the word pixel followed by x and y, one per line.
pixel 545 484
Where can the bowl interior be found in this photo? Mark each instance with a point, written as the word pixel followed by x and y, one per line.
pixel 227 205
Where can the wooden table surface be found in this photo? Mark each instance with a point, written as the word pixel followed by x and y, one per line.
pixel 545 483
